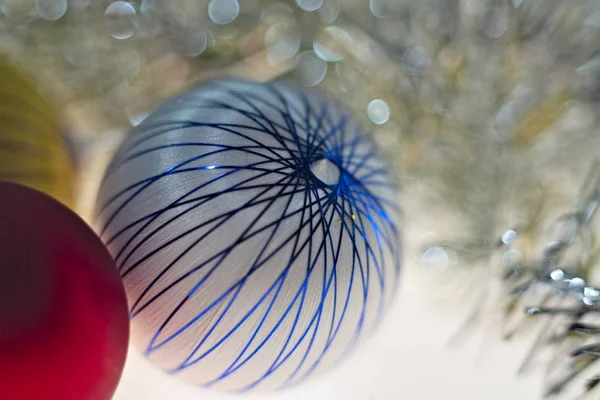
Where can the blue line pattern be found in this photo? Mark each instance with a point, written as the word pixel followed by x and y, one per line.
pixel 245 271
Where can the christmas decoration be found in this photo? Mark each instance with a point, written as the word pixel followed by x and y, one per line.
pixel 63 312
pixel 33 151
pixel 486 111
pixel 257 233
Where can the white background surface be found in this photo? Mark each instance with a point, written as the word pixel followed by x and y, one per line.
pixel 408 358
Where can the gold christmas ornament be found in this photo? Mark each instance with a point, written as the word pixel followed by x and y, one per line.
pixel 32 149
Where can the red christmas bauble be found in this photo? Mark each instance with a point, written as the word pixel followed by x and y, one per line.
pixel 64 324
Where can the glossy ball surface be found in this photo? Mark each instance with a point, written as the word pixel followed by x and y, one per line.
pixel 32 149
pixel 255 228
pixel 64 325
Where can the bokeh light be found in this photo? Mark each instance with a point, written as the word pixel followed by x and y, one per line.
pixel 378 111
pixel 120 17
pixel 223 11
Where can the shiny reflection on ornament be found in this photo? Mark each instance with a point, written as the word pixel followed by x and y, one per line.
pixel 576 283
pixel 416 60
pixel 587 301
pixel 509 236
pixel 435 257
pixel 532 311
pixel 378 111
pixel 310 68
pixel 329 11
pixel 282 42
pixel 591 295
pixel 495 21
pixel 326 44
pixel 309 5
pixel 51 10
pixel 589 291
pixel 120 17
pixel 136 119
pixel 223 11
pixel 557 275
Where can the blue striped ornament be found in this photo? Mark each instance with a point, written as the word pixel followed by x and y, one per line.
pixel 255 228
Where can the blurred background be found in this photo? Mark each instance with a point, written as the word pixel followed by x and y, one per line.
pixel 485 109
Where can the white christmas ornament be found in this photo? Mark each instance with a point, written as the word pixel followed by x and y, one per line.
pixel 255 228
